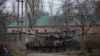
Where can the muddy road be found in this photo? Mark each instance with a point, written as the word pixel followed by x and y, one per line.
pixel 45 54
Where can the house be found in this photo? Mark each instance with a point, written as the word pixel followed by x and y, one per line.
pixel 12 28
pixel 57 23
pixel 54 24
pixel 48 24
pixel 41 25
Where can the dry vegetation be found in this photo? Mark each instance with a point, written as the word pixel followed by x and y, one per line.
pixel 91 47
pixel 11 46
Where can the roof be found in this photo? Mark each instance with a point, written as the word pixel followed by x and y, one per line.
pixel 14 24
pixel 53 21
pixel 98 22
pixel 42 21
pixel 57 21
pixel 50 21
pixel 87 22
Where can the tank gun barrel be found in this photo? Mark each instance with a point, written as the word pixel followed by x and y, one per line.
pixel 40 35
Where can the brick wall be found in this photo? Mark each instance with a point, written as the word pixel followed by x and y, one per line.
pixel 94 29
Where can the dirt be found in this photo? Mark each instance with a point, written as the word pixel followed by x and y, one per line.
pixel 46 54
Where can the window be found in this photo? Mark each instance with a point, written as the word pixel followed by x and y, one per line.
pixel 45 30
pixel 13 31
pixel 29 31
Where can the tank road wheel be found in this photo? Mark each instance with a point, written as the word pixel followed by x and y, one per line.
pixel 43 49
pixel 64 49
pixel 29 48
pixel 47 49
pixel 57 49
pixel 36 48
pixel 50 49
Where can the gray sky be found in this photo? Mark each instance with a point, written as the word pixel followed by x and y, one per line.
pixel 8 5
pixel 46 5
pixel 56 5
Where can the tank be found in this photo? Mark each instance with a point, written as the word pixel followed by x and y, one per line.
pixel 52 42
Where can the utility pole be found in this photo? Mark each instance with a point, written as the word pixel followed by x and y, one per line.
pixel 26 17
pixel 17 21
pixel 51 7
pixel 41 7
pixel 20 31
pixel 69 16
pixel 26 20
pixel 14 7
pixel 22 22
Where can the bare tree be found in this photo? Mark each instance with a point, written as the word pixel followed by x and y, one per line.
pixel 85 15
pixel 3 17
pixel 63 14
pixel 67 8
pixel 3 27
pixel 82 11
pixel 51 4
pixel 13 7
pixel 35 8
pixel 97 9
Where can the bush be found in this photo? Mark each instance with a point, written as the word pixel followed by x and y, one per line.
pixel 92 42
pixel 95 52
pixel 11 46
pixel 19 50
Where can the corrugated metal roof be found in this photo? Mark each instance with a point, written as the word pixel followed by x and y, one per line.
pixel 14 24
pixel 42 21
pixel 77 21
pixel 53 21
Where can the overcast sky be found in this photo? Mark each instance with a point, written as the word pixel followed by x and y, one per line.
pixel 56 5
pixel 46 5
